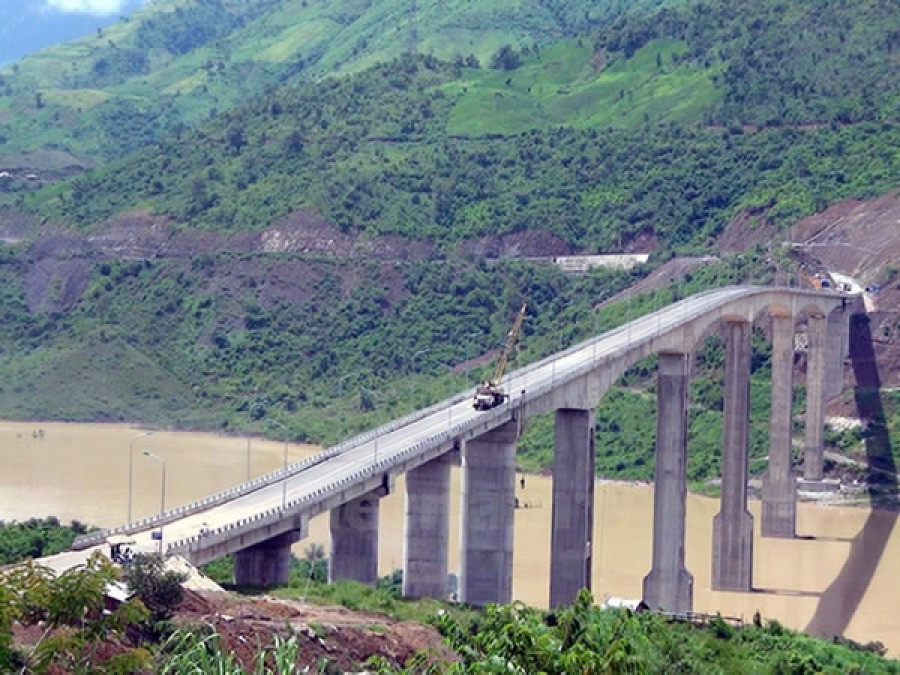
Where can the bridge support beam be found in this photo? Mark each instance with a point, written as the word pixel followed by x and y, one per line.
pixel 354 540
pixel 815 398
pixel 779 495
pixel 732 561
pixel 573 505
pixel 426 530
pixel 669 585
pixel 487 516
pixel 267 563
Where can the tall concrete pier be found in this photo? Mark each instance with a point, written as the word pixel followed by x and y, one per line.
pixel 669 585
pixel 732 561
pixel 267 563
pixel 487 514
pixel 426 530
pixel 815 398
pixel 354 540
pixel 779 507
pixel 573 505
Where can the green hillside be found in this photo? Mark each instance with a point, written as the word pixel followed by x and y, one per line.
pixel 369 154
pixel 178 61
pixel 568 84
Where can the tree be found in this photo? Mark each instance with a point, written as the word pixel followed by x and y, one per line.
pixel 236 138
pixel 506 58
pixel 159 589
pixel 70 608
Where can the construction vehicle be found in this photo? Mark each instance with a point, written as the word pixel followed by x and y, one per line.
pixel 489 394
pixel 120 549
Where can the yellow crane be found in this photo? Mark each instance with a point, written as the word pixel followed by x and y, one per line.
pixel 490 394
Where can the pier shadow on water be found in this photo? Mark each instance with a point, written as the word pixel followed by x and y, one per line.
pixel 841 599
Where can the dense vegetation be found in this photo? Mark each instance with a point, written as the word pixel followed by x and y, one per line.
pixel 529 65
pixel 585 639
pixel 178 61
pixel 36 538
pixel 367 154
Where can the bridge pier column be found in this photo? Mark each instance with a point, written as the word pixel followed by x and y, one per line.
pixel 354 540
pixel 487 516
pixel 573 505
pixel 779 505
pixel 815 398
pixel 267 563
pixel 669 585
pixel 732 552
pixel 835 352
pixel 426 530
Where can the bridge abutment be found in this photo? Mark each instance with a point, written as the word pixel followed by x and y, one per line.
pixel 426 530
pixel 573 505
pixel 732 562
pixel 354 540
pixel 779 505
pixel 669 586
pixel 267 563
pixel 487 516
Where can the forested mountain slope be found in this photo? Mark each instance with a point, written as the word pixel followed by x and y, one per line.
pixel 177 61
pixel 369 153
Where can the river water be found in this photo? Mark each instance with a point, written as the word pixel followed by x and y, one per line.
pixel 839 577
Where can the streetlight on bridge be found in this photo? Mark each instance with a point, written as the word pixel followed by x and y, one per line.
pixel 131 469
pixel 162 500
pixel 284 464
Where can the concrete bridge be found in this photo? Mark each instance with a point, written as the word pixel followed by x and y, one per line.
pixel 260 520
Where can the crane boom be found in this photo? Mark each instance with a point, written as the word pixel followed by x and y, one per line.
pixel 510 343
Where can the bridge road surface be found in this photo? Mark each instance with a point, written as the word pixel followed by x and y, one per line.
pixel 392 444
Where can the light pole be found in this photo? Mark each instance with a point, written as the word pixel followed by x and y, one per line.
pixel 284 467
pixel 131 469
pixel 162 499
pixel 248 459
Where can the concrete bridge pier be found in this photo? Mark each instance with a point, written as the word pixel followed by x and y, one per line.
pixel 487 515
pixel 426 530
pixel 669 586
pixel 836 341
pixel 779 494
pixel 354 539
pixel 732 562
pixel 815 398
pixel 267 563
pixel 573 505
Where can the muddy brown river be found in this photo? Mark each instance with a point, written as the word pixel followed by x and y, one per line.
pixel 838 577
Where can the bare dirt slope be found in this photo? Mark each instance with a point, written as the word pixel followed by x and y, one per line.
pixel 337 635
